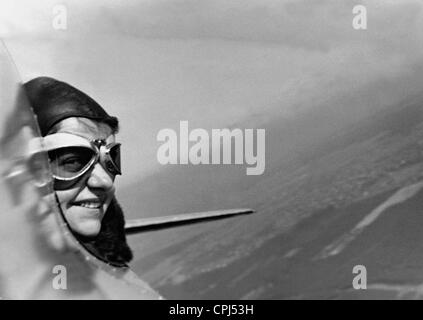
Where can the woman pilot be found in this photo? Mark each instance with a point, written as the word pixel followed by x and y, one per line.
pixel 79 136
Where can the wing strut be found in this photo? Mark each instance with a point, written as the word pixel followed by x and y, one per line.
pixel 158 223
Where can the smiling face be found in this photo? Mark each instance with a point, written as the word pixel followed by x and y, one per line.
pixel 85 202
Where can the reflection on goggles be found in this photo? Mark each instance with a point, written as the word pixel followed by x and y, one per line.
pixel 72 156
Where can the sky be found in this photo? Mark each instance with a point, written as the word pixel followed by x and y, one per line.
pixel 215 62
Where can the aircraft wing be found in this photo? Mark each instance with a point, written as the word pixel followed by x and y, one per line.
pixel 157 223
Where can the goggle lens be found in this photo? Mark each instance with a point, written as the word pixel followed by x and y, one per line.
pixel 114 154
pixel 69 162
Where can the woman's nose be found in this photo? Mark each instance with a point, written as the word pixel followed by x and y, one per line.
pixel 99 178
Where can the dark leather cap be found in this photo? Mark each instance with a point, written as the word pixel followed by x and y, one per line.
pixel 53 101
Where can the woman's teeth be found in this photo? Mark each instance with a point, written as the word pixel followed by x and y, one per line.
pixel 90 205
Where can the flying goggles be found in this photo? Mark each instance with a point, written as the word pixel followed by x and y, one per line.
pixel 71 156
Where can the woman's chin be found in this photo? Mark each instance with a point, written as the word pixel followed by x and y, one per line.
pixel 83 221
pixel 88 228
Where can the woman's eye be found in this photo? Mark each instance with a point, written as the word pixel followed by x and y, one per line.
pixel 73 163
pixel 71 159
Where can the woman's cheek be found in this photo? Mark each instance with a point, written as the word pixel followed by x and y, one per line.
pixel 79 220
pixel 66 197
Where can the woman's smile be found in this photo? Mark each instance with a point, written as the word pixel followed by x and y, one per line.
pixel 89 204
